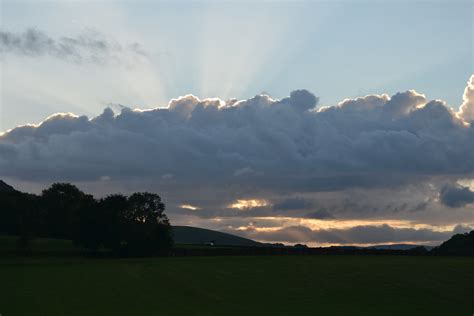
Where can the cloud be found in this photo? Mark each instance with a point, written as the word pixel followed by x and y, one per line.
pixel 354 235
pixel 293 204
pixel 189 207
pixel 277 144
pixel 243 171
pixel 455 195
pixel 466 111
pixel 371 156
pixel 88 47
pixel 319 214
pixel 401 104
pixel 248 204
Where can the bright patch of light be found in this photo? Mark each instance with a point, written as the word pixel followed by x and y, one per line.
pixel 467 183
pixel 190 207
pixel 248 204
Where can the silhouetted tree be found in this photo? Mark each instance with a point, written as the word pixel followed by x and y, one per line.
pixel 128 226
pixel 457 245
pixel 146 208
pixel 9 208
pixel 62 206
pixel 19 216
pixel 112 211
pixel 300 246
pixel 89 228
pixel 147 227
pixel 28 219
pixel 136 225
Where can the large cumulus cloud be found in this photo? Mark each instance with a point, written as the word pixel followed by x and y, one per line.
pixel 467 108
pixel 376 156
pixel 278 143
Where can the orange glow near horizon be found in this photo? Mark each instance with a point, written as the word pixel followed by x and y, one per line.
pixel 316 224
pixel 320 224
pixel 318 244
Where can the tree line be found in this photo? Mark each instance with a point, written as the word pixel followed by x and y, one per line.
pixel 124 225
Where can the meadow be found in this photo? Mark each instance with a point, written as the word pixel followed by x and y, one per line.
pixel 228 285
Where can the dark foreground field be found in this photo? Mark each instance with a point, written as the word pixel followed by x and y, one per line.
pixel 273 285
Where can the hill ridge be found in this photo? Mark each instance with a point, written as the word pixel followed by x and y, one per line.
pixel 201 236
pixel 4 187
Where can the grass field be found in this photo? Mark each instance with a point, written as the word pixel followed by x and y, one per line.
pixel 39 245
pixel 273 285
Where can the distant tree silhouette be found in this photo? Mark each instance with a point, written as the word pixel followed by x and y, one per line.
pixel 19 216
pixel 9 206
pixel 146 208
pixel 147 227
pixel 135 225
pixel 419 250
pixel 300 246
pixel 64 208
pixel 112 214
pixel 28 219
pixel 89 226
pixel 457 245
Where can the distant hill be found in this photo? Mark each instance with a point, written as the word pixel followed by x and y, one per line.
pixel 399 247
pixel 5 187
pixel 458 245
pixel 201 236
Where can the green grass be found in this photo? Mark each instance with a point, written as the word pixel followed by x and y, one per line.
pixel 64 247
pixel 38 245
pixel 273 285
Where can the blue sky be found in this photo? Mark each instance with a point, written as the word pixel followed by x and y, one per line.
pixel 238 49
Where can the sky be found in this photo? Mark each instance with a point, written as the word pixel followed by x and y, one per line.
pixel 345 122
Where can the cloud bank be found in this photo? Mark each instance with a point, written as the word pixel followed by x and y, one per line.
pixel 376 156
pixel 88 47
pixel 375 140
pixel 354 235
pixel 456 195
